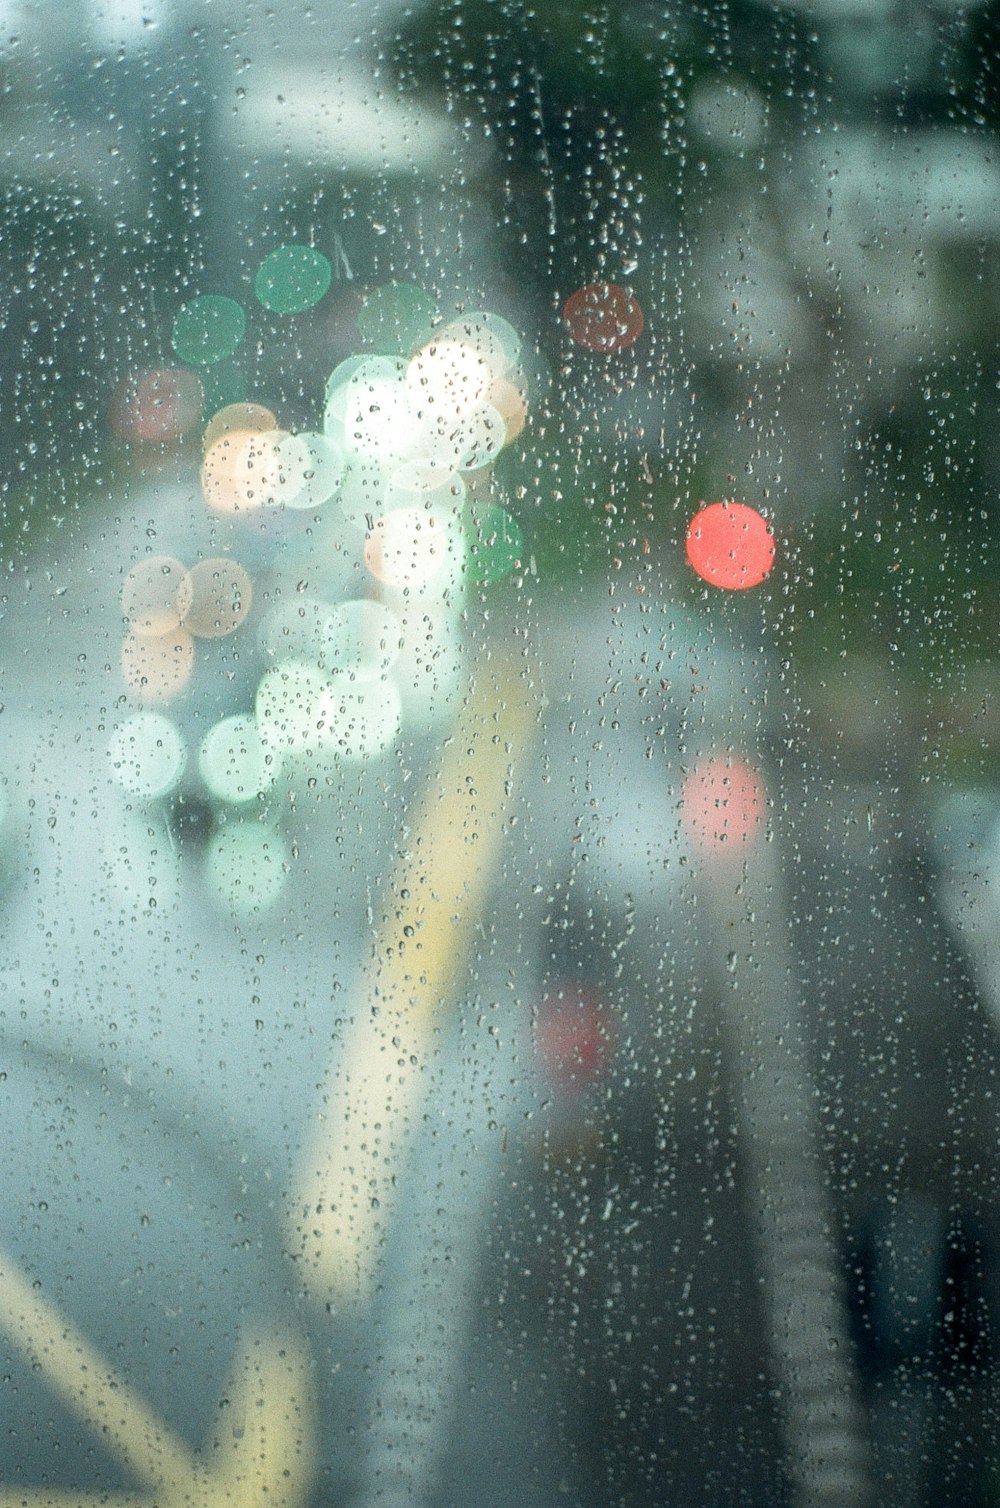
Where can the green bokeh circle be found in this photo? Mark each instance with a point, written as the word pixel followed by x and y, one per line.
pixel 292 278
pixel 208 328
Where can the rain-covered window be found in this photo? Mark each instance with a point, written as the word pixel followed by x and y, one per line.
pixel 500 773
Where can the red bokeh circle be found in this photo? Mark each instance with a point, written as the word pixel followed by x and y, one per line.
pixel 157 404
pixel 574 1035
pixel 730 545
pixel 722 803
pixel 603 317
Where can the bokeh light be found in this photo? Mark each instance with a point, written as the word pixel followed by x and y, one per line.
pixel 221 594
pixel 249 418
pixel 436 408
pixel 447 377
pixel 359 721
pixel 157 669
pixel 366 639
pixel 369 413
pixel 358 638
pixel 362 364
pixel 148 755
pixel 574 1035
pixel 509 399
pixel 235 474
pixel 158 404
pixel 723 800
pixel 450 381
pixel 292 278
pixel 234 762
pixel 246 867
pixel 476 440
pixel 730 545
pixel 490 336
pixel 301 470
pixel 415 548
pixel 603 317
pixel 208 328
pixel 362 495
pixel 425 484
pixel 396 317
pixel 289 704
pixel 156 594
pixel 299 629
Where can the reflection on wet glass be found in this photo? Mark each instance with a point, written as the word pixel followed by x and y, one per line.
pixel 592 1024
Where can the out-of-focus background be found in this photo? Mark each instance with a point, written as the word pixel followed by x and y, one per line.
pixel 500 791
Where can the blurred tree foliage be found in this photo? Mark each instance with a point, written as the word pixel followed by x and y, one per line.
pixel 590 108
pixel 601 168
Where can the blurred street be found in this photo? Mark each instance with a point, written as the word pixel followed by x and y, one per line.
pixel 499 760
pixel 573 1248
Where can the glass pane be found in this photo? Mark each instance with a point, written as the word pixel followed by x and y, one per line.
pixel 501 783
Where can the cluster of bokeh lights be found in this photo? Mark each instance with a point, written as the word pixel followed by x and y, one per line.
pixel 167 607
pixel 398 477
pixel 398 472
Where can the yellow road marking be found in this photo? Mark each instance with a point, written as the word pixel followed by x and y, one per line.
pixel 432 907
pixel 272 1462
pixel 446 866
pixel 94 1391
pixel 268 1461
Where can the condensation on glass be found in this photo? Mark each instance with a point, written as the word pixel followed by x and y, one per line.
pixel 500 792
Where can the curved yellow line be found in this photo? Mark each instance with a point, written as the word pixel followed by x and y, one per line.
pixel 268 1457
pixel 95 1391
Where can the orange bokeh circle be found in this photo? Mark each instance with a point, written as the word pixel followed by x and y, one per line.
pixel 156 669
pixel 220 596
pixel 235 472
